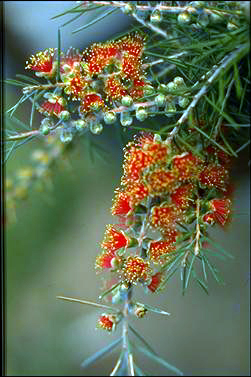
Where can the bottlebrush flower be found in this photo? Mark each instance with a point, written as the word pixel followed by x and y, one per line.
pixel 76 85
pixel 158 249
pixel 55 105
pixel 223 158
pixel 100 55
pixel 221 209
pixel 159 181
pixel 103 260
pixel 43 62
pixel 91 102
pixel 136 268
pixel 137 89
pixel 187 166
pixel 156 281
pixel 114 239
pixel 208 218
pixel 214 176
pixel 132 44
pixel 164 217
pixel 107 322
pixel 135 161
pixel 137 192
pixel 182 197
pixel 70 61
pixel 121 203
pixel 114 89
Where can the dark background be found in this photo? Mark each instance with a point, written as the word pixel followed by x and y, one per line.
pixel 51 249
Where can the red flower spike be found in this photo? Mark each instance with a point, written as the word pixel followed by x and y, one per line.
pixel 131 67
pixel 132 44
pixel 70 60
pixel 114 89
pixel 171 235
pixel 107 322
pixel 159 249
pixel 42 62
pixel 214 176
pixel 135 161
pixel 187 166
pixel 136 268
pixel 114 239
pixel 164 217
pixel 103 260
pixel 208 218
pixel 221 209
pixel 137 192
pixel 91 102
pixel 121 204
pixel 156 281
pixel 76 86
pixel 182 197
pixel 99 55
pixel 223 158
pixel 160 181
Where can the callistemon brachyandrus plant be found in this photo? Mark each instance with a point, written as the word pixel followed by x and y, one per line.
pixel 175 184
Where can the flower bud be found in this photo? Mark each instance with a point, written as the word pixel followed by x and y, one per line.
pixel 156 16
pixel 184 18
pixel 160 100
pixel 96 128
pixel 66 136
pixel 110 117
pixel 127 101
pixel 171 86
pixel 139 310
pixel 80 124
pixel 64 115
pixel 129 8
pixel 125 118
pixel 141 114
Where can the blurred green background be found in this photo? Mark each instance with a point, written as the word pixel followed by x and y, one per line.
pixel 51 249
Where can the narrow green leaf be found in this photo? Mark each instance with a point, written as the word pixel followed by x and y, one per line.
pixel 108 291
pixel 118 364
pixel 242 147
pixel 58 55
pixel 28 79
pixel 103 15
pixel 214 271
pixel 99 354
pixel 220 248
pixel 189 271
pixel 202 284
pixel 160 361
pixel 238 85
pixel 139 371
pixel 142 339
pixel 226 116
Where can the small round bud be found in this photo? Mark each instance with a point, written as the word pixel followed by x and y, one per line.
pixel 141 114
pixel 126 119
pixel 127 101
pixel 96 128
pixel 171 86
pixel 129 8
pixel 203 20
pixel 80 124
pixel 139 311
pixel 148 90
pixel 160 100
pixel 66 68
pixel 156 16
pixel 170 109
pixel 184 18
pixel 179 81
pixel 110 117
pixel 64 115
pixel 66 136
pixel 183 102
pixel 215 18
pixel 231 26
pixel 46 124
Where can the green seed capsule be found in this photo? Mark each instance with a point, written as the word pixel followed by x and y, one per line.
pixel 80 124
pixel 183 102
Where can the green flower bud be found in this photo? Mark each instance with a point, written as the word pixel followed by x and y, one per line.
pixel 156 16
pixel 183 102
pixel 179 81
pixel 125 119
pixel 64 115
pixel 141 114
pixel 129 8
pixel 96 128
pixel 80 124
pixel 160 100
pixel 184 18
pixel 110 117
pixel 66 136
pixel 127 101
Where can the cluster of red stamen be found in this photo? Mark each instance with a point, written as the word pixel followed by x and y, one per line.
pixel 102 74
pixel 160 191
